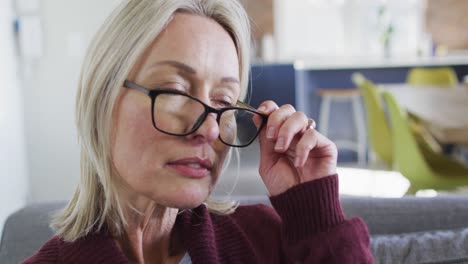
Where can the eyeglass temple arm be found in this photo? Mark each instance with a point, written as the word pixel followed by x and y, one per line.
pixel 133 85
pixel 244 105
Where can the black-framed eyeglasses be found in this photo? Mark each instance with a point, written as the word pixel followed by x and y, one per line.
pixel 179 114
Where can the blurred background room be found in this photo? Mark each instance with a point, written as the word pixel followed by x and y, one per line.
pixel 386 80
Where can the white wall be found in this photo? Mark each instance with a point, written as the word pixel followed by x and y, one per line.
pixel 49 95
pixel 345 28
pixel 303 29
pixel 13 179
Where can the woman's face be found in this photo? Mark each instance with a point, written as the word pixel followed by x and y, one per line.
pixel 196 55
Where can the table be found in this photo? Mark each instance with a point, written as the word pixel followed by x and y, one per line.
pixel 444 111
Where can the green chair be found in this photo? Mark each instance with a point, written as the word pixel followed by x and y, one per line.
pixel 377 128
pixel 423 168
pixel 443 76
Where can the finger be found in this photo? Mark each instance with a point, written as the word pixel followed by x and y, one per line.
pixel 311 140
pixel 267 154
pixel 294 125
pixel 276 119
pixel 303 147
pixel 266 108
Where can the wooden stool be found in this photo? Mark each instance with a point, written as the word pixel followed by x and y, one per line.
pixel 345 95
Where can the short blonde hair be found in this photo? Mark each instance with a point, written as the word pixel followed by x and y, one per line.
pixel 117 46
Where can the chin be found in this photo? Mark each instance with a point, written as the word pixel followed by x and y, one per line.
pixel 188 198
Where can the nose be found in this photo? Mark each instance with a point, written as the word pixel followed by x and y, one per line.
pixel 208 130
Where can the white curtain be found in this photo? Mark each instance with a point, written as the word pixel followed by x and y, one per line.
pixel 13 178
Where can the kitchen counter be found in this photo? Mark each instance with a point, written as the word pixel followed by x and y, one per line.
pixel 366 63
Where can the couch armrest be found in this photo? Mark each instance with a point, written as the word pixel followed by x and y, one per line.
pixel 26 230
pixel 409 214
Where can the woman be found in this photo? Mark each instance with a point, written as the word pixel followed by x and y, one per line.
pixel 158 110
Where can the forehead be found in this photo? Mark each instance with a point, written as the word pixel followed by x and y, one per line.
pixel 197 41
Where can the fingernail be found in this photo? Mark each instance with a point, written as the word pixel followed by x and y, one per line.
pixel 279 144
pixel 270 132
pixel 262 108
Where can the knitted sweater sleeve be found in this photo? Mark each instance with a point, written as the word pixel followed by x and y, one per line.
pixel 314 228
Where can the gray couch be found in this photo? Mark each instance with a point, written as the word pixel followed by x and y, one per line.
pixel 403 230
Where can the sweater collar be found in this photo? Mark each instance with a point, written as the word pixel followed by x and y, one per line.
pixel 195 229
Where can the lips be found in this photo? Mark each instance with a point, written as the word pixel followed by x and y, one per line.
pixel 192 167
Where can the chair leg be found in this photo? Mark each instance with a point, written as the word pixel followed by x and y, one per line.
pixel 459 153
pixel 411 190
pixel 324 115
pixel 360 127
pixel 376 164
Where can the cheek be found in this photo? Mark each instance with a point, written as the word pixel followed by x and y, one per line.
pixel 132 132
pixel 222 152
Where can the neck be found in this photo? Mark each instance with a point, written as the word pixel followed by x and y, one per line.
pixel 149 236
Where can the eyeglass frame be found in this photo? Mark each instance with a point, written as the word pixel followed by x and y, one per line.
pixel 153 93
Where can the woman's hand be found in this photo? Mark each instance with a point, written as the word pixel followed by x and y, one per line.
pixel 290 151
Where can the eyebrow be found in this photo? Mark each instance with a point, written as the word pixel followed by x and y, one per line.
pixel 230 80
pixel 186 68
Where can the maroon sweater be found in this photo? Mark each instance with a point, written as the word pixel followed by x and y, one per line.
pixel 307 225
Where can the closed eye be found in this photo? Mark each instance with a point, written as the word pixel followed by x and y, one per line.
pixel 223 102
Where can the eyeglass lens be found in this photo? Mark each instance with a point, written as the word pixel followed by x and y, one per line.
pixel 179 114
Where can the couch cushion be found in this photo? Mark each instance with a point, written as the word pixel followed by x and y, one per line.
pixel 443 246
pixel 25 231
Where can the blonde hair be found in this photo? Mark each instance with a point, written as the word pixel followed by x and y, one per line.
pixel 117 46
